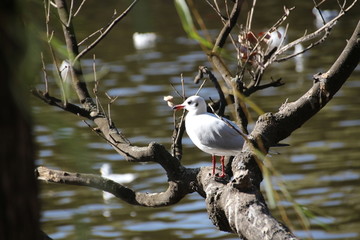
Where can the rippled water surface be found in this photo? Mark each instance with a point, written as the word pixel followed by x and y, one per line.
pixel 321 168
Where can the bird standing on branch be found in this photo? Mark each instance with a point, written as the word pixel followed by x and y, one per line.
pixel 212 134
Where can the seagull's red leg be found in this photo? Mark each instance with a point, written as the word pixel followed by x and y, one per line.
pixel 213 159
pixel 222 166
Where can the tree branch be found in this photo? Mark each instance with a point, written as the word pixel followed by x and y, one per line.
pixel 240 201
pixel 225 31
pixel 326 28
pixel 238 206
pixel 174 193
pixel 106 31
pixel 272 128
pixel 53 101
pixel 72 49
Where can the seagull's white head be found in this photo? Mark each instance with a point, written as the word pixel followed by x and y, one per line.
pixel 194 104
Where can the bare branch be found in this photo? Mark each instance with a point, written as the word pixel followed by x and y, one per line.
pixel 250 16
pixel 45 74
pixel 221 67
pixel 79 8
pixel 72 49
pixel 216 10
pixel 70 13
pixel 205 70
pixel 326 28
pixel 53 101
pixel 224 33
pixel 106 31
pixel 175 192
pixel 294 114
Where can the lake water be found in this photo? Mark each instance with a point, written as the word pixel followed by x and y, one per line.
pixel 321 168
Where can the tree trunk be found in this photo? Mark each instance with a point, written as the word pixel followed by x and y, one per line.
pixel 19 205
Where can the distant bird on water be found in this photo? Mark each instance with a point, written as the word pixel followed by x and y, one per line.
pixel 106 172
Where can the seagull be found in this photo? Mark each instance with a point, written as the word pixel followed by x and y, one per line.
pixel 212 134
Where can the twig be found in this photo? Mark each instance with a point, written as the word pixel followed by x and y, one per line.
pixel 90 36
pixel 321 40
pixel 78 10
pixel 201 86
pixel 53 101
pixel 225 31
pixel 250 17
pixel 273 28
pixel 95 130
pixel 175 90
pixel 216 10
pixel 109 108
pixel 45 74
pixel 326 27
pixel 95 89
pixel 70 13
pixel 176 147
pixel 217 86
pixel 106 31
pixel 97 31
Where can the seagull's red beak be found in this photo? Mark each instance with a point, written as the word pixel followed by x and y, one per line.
pixel 177 107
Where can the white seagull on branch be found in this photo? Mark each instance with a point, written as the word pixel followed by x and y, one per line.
pixel 210 133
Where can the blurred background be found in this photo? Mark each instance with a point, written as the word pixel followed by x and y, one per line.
pixel 321 168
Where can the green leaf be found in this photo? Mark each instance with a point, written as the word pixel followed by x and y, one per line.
pixel 188 23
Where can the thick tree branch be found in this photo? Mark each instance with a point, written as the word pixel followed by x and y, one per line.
pixel 214 58
pixel 221 67
pixel 174 193
pixel 238 206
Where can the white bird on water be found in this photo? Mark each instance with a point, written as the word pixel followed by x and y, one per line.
pixel 106 172
pixel 212 134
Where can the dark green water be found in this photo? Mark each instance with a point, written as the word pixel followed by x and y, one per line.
pixel 321 167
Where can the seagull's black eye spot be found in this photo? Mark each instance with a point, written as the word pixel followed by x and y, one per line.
pixel 189 102
pixel 196 104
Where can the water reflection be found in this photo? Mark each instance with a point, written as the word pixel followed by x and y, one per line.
pixel 321 167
